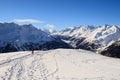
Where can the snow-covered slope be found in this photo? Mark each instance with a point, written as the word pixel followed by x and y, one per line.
pixel 102 35
pixel 60 64
pixel 76 31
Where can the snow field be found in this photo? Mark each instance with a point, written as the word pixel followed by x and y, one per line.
pixel 59 64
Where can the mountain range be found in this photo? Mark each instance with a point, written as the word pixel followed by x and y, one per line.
pixel 100 36
pixel 14 37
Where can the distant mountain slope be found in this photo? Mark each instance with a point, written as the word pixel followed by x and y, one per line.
pixel 113 50
pixel 59 64
pixel 14 37
pixel 90 36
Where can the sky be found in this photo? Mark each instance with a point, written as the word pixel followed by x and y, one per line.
pixel 60 14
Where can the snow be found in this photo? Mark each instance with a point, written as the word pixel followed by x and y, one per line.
pixel 59 64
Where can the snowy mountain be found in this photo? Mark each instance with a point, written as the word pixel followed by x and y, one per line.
pixel 59 64
pixel 90 37
pixel 22 33
pixel 14 37
pixel 49 31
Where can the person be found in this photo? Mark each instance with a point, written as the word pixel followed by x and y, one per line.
pixel 32 49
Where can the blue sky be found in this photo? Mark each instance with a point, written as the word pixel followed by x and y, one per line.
pixel 60 14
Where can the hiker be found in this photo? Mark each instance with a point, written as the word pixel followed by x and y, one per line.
pixel 32 49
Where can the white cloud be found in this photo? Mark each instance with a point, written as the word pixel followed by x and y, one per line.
pixel 27 21
pixel 50 27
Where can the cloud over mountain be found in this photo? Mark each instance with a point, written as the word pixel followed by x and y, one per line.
pixel 27 21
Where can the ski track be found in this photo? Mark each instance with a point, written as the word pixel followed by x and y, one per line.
pixel 37 64
pixel 16 68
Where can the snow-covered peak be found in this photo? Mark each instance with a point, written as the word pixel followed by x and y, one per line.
pixel 75 31
pixel 108 35
pixel 11 32
pixel 104 35
pixel 49 31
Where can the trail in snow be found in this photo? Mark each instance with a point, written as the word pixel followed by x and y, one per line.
pixel 19 69
pixel 15 67
pixel 58 64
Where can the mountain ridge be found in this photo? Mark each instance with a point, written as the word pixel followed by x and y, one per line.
pixel 101 35
pixel 14 37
